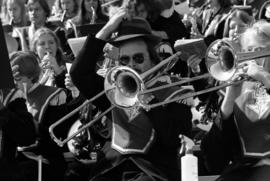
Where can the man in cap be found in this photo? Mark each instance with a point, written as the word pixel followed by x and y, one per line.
pixel 144 144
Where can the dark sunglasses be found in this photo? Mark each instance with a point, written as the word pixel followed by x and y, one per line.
pixel 137 58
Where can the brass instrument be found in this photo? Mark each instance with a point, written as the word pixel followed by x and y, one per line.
pixel 224 58
pixel 123 86
pixel 120 83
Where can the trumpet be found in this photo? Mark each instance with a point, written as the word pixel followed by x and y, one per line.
pixel 123 86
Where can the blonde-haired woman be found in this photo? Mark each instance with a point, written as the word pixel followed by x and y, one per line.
pixel 46 45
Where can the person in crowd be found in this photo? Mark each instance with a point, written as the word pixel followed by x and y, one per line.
pixel 38 12
pixel 46 45
pixel 212 17
pixel 210 103
pixel 236 24
pixel 139 137
pixel 14 16
pixel 165 23
pixel 237 143
pixel 66 9
pixel 90 12
pixel 47 105
pixel 16 129
pixel 14 13
pixel 163 18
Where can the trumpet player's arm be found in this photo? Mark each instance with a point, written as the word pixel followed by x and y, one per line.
pixel 18 122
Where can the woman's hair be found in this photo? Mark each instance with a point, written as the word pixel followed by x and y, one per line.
pixel 43 4
pixel 59 9
pixel 237 14
pixel 28 64
pixel 261 29
pixel 38 34
pixel 21 4
pixel 81 19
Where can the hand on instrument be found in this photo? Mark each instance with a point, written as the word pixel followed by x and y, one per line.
pixel 255 71
pixel 69 85
pixel 146 98
pixel 194 63
pixel 49 62
pixel 15 72
pixel 188 101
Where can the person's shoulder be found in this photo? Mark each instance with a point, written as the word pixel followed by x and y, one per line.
pixel 59 98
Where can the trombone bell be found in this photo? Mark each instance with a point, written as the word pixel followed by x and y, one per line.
pixel 122 85
pixel 224 56
pixel 221 59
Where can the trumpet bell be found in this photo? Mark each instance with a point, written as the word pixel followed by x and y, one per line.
pixel 122 85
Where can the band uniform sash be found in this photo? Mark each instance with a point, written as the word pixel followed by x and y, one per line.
pixel 251 115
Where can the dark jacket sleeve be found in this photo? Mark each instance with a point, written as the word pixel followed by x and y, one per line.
pixel 220 145
pixel 18 122
pixel 83 71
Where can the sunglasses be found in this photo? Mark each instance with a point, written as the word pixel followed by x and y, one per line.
pixel 138 58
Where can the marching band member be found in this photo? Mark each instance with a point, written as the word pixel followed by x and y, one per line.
pixel 46 45
pixel 144 143
pixel 238 139
pixel 16 129
pixel 66 9
pixel 14 13
pixel 90 12
pixel 38 12
pixel 47 104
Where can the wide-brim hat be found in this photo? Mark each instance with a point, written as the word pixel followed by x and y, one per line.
pixel 134 28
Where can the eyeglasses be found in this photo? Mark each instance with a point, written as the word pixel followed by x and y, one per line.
pixel 138 58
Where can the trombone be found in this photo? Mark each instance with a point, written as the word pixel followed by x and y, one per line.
pixel 123 86
pixel 121 83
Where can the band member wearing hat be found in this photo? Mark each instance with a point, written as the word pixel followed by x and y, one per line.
pixel 144 144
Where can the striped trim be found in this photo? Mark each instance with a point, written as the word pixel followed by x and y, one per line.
pixel 45 105
pixel 245 152
pixel 130 150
